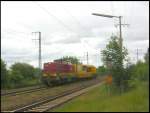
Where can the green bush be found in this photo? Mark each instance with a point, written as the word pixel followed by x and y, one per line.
pixel 19 75
pixel 101 70
pixel 113 57
pixel 4 75
pixel 141 71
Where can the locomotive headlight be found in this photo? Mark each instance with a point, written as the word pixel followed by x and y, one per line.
pixel 54 74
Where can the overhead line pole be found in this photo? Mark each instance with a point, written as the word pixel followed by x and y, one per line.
pixel 137 55
pixel 87 58
pixel 120 33
pixel 39 58
pixel 120 29
pixel 120 38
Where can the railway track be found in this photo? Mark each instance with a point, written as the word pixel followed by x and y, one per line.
pixel 51 102
pixel 13 93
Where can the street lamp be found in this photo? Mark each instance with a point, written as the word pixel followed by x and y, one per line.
pixel 111 16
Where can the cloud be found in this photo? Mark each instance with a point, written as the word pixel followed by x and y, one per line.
pixel 69 40
pixel 69 29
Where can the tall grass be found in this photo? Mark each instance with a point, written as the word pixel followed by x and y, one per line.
pixel 98 99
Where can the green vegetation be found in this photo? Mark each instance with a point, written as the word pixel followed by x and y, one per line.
pixel 102 70
pixel 146 57
pixel 140 71
pixel 100 100
pixel 113 57
pixel 4 74
pixel 19 75
pixel 71 59
pixel 130 88
pixel 23 74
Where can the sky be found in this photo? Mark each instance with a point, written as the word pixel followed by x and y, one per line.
pixel 70 29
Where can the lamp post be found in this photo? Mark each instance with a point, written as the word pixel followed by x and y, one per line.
pixel 40 58
pixel 120 29
pixel 111 16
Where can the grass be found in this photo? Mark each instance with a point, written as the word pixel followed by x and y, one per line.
pixel 136 100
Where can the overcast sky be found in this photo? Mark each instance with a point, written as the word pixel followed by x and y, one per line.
pixel 68 28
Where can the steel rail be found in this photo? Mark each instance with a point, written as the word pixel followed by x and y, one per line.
pixel 51 98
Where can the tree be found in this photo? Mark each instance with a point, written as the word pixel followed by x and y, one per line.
pixel 21 74
pixel 70 59
pixel 101 70
pixel 4 74
pixel 37 71
pixel 113 57
pixel 25 70
pixel 146 57
pixel 16 79
pixel 141 69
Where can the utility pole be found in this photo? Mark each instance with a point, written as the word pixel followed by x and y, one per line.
pixel 120 29
pixel 137 54
pixel 120 37
pixel 87 58
pixel 120 33
pixel 40 58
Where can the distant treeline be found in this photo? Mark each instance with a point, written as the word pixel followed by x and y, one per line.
pixel 138 71
pixel 23 74
pixel 19 75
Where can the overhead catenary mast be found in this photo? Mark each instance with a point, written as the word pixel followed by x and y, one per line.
pixel 40 57
pixel 120 28
pixel 137 57
pixel 87 59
